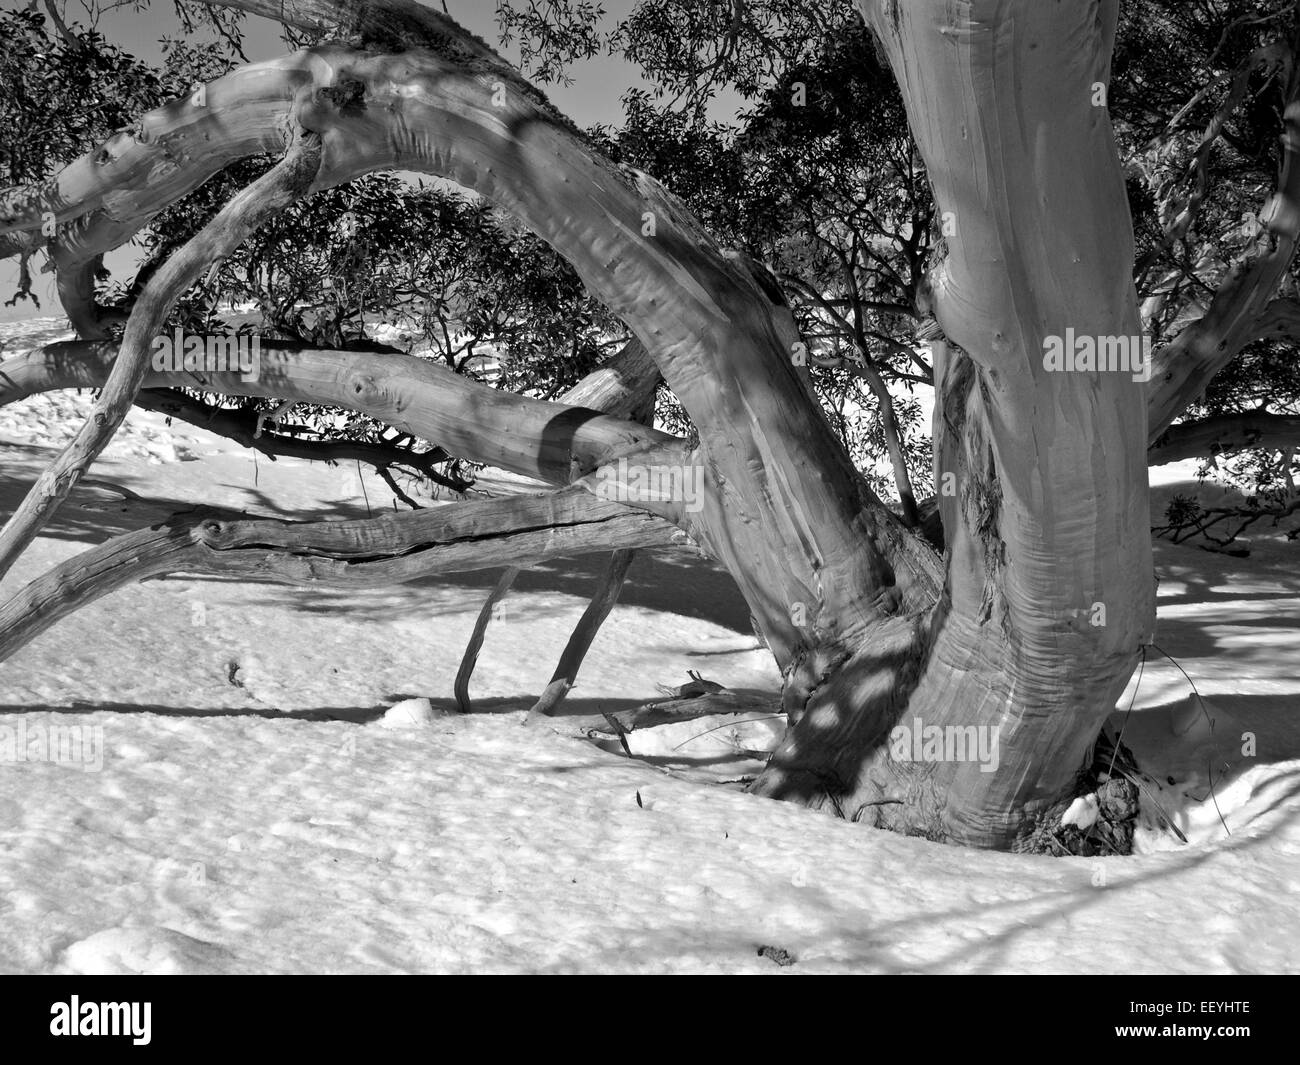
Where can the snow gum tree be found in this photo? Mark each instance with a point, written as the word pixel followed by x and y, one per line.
pixel 956 696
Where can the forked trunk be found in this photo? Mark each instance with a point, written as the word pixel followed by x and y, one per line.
pixel 974 723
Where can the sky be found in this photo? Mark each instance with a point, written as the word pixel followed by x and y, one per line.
pixel 593 97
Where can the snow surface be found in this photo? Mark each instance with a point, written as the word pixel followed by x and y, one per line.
pixel 247 810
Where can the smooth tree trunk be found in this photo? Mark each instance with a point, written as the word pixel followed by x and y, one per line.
pixel 1049 594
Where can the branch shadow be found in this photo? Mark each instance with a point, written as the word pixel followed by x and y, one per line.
pixel 656 581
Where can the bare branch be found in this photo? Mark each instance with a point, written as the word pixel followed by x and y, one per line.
pixel 475 644
pixel 727 702
pixel 721 343
pixel 368 553
pixel 1226 434
pixel 246 210
pixel 602 602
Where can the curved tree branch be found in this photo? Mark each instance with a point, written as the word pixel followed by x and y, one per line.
pixel 474 645
pixel 232 224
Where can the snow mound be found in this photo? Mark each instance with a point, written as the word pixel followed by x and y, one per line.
pixel 409 713
pixel 1082 812
pixel 126 951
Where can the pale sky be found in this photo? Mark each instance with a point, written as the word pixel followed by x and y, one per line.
pixel 594 96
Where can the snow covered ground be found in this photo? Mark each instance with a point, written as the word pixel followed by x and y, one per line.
pixel 235 804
